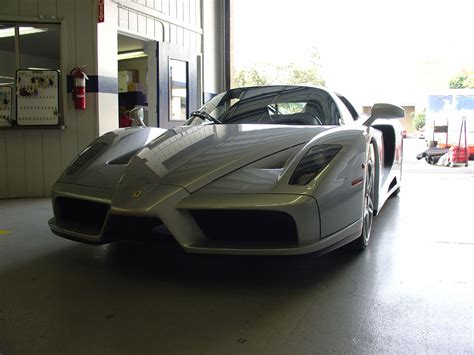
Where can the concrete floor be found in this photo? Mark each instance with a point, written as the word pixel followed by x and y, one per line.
pixel 412 291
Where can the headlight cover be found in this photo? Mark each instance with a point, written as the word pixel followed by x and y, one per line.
pixel 124 159
pixel 85 157
pixel 313 163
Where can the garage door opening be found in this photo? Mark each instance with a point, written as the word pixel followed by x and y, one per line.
pixel 392 53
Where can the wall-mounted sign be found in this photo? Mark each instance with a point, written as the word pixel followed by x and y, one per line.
pixel 37 97
pixel 101 11
pixel 5 106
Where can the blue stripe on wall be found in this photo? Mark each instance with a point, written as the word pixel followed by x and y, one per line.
pixel 96 83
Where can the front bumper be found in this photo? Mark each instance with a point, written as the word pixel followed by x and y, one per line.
pixel 127 217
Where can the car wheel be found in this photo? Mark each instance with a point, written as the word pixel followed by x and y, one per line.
pixel 368 214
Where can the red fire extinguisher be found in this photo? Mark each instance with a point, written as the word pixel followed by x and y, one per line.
pixel 79 88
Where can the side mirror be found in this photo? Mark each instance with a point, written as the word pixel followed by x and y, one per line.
pixel 384 111
pixel 136 115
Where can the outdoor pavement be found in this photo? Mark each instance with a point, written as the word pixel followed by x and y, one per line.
pixel 414 146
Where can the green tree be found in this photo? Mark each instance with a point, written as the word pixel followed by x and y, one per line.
pixel 463 80
pixel 250 77
pixel 308 75
pixel 305 76
pixel 419 120
pixel 295 74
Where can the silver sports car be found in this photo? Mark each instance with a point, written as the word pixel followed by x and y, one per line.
pixel 259 170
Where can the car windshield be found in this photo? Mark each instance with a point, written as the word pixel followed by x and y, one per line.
pixel 291 105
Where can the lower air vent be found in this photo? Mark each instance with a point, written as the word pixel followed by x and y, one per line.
pixel 81 216
pixel 247 226
pixel 129 227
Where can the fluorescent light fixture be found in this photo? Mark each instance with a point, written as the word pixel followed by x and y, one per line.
pixel 31 30
pixel 31 68
pixel 131 55
pixel 10 31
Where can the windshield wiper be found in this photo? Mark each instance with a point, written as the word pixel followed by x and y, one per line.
pixel 205 116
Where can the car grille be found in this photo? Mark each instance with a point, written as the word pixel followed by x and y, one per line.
pixel 247 226
pixel 81 216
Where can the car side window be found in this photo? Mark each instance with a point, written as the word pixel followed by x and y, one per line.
pixel 348 106
pixel 334 113
pixel 345 115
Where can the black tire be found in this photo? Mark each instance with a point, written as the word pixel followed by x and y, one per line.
pixel 368 215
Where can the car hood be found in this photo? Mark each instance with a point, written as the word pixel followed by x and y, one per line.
pixel 194 156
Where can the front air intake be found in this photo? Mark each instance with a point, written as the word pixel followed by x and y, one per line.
pixel 247 226
pixel 129 227
pixel 82 216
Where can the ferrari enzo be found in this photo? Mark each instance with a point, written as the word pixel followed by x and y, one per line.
pixel 257 170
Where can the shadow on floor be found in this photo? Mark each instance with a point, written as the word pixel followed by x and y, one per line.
pixel 165 260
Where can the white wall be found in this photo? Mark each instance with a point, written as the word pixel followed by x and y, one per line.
pixel 106 64
pixel 173 21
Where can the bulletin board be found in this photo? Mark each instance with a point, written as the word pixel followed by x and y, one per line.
pixel 5 106
pixel 37 97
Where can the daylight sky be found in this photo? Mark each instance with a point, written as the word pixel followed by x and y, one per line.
pixel 370 50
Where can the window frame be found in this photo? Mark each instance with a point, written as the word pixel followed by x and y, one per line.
pixel 18 22
pixel 170 89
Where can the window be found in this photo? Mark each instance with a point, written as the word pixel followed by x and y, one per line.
pixel 286 108
pixel 38 47
pixel 44 56
pixel 7 73
pixel 291 105
pixel 25 46
pixel 178 70
pixel 7 54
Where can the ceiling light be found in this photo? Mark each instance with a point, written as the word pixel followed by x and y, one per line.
pixel 32 68
pixel 10 31
pixel 131 55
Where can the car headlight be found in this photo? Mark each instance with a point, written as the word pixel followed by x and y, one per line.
pixel 313 163
pixel 85 157
pixel 125 158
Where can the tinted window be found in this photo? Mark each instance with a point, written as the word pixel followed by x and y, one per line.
pixel 7 54
pixel 44 56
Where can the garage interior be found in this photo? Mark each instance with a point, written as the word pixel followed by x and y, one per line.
pixel 411 291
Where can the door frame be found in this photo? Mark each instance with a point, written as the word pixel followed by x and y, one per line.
pixel 165 52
